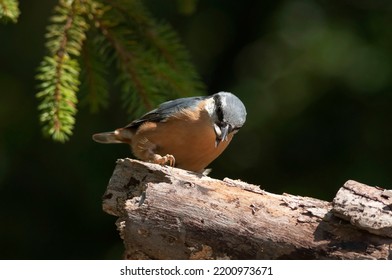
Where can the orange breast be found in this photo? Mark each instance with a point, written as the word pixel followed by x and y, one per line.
pixel 189 137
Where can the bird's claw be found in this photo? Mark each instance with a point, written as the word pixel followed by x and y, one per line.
pixel 163 160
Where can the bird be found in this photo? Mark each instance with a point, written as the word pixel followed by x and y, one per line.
pixel 187 133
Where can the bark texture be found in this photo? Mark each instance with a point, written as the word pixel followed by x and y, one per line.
pixel 169 213
pixel 368 208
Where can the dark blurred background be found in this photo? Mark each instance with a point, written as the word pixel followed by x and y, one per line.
pixel 315 76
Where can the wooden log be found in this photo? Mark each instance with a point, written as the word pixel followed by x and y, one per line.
pixel 169 213
pixel 368 208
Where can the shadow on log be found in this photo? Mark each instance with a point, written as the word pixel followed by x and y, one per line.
pixel 169 213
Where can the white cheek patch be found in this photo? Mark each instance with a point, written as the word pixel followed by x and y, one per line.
pixel 223 99
pixel 210 107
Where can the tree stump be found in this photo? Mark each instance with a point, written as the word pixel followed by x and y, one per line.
pixel 170 213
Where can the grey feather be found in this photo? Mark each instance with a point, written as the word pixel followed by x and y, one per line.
pixel 167 109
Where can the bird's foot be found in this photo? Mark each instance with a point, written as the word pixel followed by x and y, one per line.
pixel 163 160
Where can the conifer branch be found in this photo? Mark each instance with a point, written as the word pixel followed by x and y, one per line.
pixel 163 65
pixel 111 26
pixel 126 64
pixel 59 71
pixel 160 39
pixel 94 75
pixel 9 10
pixel 152 64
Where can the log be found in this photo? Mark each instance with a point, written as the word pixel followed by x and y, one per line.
pixel 368 208
pixel 169 213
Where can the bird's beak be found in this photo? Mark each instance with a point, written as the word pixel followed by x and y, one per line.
pixel 224 131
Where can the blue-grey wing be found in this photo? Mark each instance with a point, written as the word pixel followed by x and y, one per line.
pixel 167 109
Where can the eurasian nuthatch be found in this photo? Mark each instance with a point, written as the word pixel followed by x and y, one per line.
pixel 188 133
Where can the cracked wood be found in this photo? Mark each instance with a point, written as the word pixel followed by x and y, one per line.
pixel 169 213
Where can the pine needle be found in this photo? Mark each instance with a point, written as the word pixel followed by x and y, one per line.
pixel 9 10
pixel 85 38
pixel 59 71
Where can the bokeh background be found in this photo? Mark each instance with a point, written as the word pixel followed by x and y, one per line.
pixel 315 76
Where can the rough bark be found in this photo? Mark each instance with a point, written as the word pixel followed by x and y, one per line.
pixel 169 213
pixel 368 208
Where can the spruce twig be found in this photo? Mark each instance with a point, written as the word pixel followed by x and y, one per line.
pixel 9 10
pixel 59 71
pixel 91 36
pixel 94 74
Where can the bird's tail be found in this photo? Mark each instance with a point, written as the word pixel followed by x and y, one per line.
pixel 117 136
pixel 106 137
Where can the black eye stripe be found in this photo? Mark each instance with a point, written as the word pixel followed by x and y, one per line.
pixel 218 108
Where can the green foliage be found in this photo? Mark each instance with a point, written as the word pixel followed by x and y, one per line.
pixel 59 70
pixel 153 65
pixel 9 10
pixel 87 37
pixel 94 89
